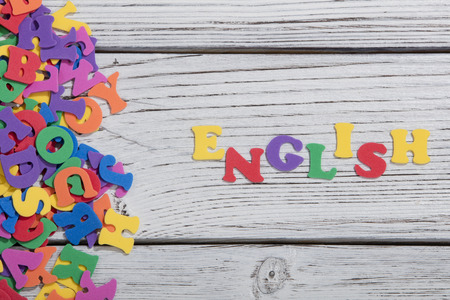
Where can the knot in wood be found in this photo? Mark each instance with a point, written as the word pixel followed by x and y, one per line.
pixel 271 275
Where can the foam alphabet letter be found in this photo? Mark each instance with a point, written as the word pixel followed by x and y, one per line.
pixel 40 271
pixel 13 258
pixel 123 180
pixel 273 153
pixel 120 223
pixel 62 190
pixel 106 292
pixel 250 170
pixel 116 104
pixel 22 157
pixel 76 259
pixel 418 147
pixel 203 142
pixel 12 125
pixel 64 24
pixel 315 167
pixel 22 72
pixel 343 140
pixel 33 197
pixel 22 7
pixel 47 135
pixel 80 76
pixel 376 164
pixel 82 227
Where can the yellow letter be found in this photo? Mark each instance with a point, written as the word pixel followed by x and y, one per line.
pixel 64 24
pixel 418 147
pixel 29 206
pixel 203 142
pixel 343 140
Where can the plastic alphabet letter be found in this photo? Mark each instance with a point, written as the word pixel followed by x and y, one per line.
pixel 203 142
pixel 273 153
pixel 250 170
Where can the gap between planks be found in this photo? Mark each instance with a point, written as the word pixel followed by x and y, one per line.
pixel 304 50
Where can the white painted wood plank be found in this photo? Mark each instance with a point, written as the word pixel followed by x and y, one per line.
pixel 255 98
pixel 312 272
pixel 225 24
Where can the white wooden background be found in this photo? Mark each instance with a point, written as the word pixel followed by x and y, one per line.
pixel 260 69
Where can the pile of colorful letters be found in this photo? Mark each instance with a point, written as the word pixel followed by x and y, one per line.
pixel 48 181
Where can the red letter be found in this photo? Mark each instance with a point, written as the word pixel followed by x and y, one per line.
pixel 22 72
pixel 376 164
pixel 250 170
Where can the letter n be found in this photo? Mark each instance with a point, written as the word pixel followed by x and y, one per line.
pixel 251 170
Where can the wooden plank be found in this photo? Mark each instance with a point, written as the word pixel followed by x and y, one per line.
pixel 299 272
pixel 255 98
pixel 221 25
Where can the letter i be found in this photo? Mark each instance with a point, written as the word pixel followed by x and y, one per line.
pixel 343 140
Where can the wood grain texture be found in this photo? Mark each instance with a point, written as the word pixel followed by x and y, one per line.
pixel 312 272
pixel 223 25
pixel 255 98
